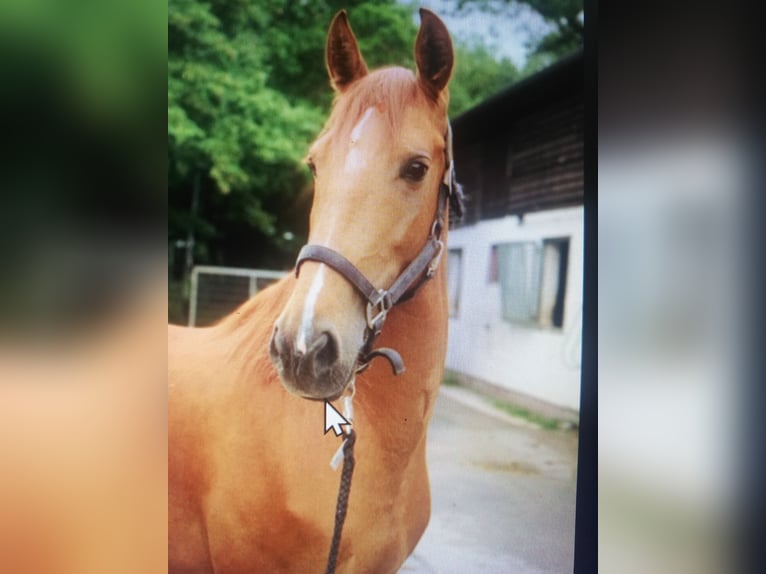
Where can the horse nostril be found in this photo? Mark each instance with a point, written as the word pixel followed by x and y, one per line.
pixel 277 345
pixel 324 352
pixel 273 343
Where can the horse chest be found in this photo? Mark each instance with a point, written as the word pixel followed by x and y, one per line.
pixel 291 544
pixel 280 519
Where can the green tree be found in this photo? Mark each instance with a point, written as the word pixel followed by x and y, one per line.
pixel 477 75
pixel 564 17
pixel 229 132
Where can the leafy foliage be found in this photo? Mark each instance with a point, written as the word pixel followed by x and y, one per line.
pixel 477 75
pixel 227 128
pixel 568 32
pixel 563 17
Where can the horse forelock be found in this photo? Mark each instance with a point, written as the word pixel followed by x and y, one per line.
pixel 391 91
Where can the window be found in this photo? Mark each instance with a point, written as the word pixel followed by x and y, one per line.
pixel 554 282
pixel 454 273
pixel 519 266
pixel 532 278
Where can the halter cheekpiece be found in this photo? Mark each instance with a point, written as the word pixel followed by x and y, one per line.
pixel 420 269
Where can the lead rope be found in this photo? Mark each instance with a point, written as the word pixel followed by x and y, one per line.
pixel 343 493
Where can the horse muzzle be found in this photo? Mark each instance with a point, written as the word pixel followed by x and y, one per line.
pixel 313 370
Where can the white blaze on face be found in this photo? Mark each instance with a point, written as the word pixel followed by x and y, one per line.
pixel 355 160
pixel 307 318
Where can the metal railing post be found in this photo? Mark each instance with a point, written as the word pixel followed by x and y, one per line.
pixel 193 297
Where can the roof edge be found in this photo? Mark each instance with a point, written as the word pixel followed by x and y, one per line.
pixel 521 86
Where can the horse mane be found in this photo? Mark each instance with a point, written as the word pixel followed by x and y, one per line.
pixel 391 90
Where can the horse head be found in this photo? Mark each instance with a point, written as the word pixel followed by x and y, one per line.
pixel 378 165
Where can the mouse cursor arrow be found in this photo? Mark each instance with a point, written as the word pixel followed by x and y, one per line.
pixel 333 419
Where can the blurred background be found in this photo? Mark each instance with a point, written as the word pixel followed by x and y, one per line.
pixel 678 159
pixel 83 212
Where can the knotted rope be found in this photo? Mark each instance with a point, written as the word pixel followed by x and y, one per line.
pixel 343 493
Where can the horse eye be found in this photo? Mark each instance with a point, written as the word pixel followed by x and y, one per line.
pixel 312 167
pixel 415 171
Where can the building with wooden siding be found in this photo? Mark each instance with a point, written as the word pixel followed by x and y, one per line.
pixel 521 150
pixel 515 261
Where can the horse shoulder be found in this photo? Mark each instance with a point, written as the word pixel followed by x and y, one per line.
pixel 205 365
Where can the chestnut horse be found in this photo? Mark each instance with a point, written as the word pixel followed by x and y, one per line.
pixel 250 488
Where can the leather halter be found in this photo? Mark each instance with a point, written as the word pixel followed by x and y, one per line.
pixel 420 270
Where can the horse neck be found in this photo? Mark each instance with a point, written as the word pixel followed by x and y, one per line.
pixel 398 409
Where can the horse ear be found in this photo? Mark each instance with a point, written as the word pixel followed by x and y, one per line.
pixel 433 53
pixel 344 61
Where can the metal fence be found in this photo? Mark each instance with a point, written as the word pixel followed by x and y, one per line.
pixel 217 291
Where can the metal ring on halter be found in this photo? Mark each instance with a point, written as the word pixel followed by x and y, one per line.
pixel 436 228
pixel 434 265
pixel 377 310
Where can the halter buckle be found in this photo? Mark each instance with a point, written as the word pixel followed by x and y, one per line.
pixel 377 309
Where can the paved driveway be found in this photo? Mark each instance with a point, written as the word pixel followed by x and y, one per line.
pixel 503 493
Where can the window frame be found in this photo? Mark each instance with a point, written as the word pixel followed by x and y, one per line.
pixel 538 273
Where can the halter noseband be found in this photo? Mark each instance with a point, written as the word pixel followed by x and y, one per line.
pixel 420 270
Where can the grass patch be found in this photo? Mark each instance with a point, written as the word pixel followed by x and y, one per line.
pixel 522 413
pixel 450 380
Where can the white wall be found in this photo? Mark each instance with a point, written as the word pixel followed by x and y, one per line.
pixel 543 363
